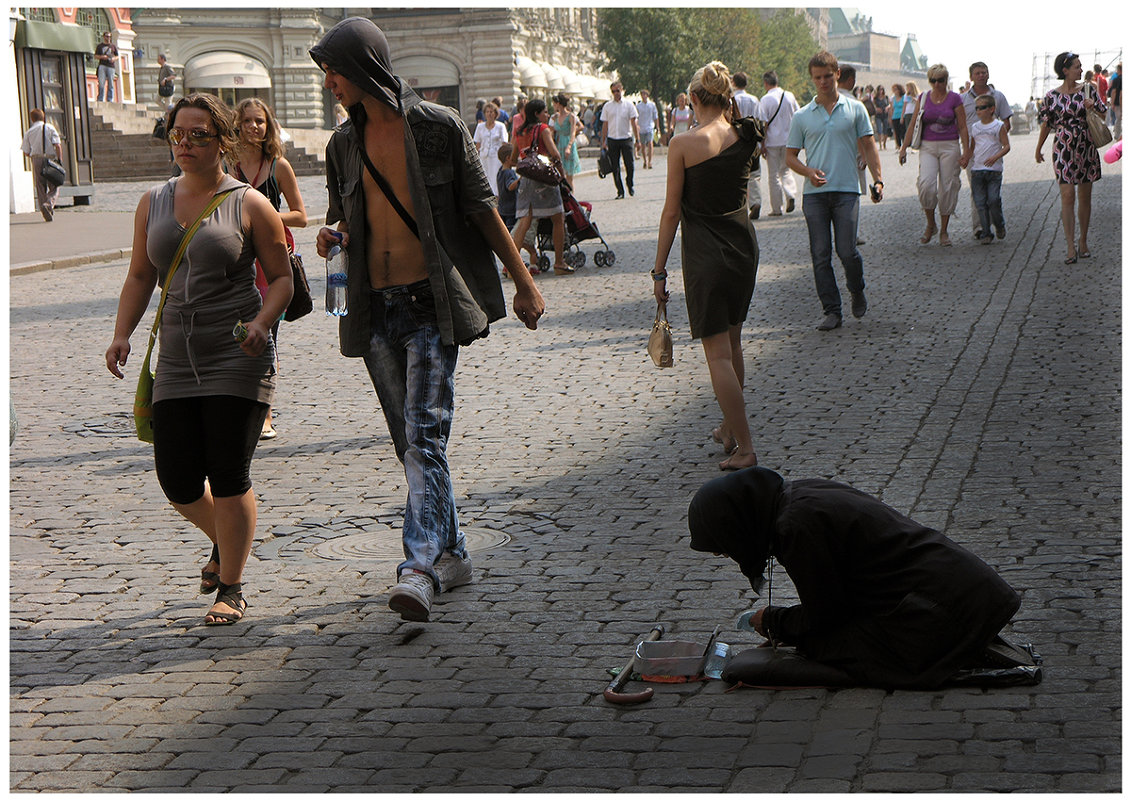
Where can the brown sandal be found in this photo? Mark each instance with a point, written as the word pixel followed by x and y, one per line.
pixel 210 581
pixel 230 595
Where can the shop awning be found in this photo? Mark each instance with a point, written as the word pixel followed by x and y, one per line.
pixel 226 70
pixel 554 80
pixel 573 85
pixel 601 89
pixel 426 72
pixel 54 36
pixel 529 73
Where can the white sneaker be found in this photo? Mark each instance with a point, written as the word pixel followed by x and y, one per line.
pixel 412 597
pixel 452 571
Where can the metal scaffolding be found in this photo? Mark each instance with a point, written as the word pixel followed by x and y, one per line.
pixel 1044 78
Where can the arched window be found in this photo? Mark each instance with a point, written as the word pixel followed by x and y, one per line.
pixel 39 14
pixel 98 21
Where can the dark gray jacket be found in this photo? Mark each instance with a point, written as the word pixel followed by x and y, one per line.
pixel 446 182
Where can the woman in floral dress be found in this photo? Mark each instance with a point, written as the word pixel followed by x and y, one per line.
pixel 1076 162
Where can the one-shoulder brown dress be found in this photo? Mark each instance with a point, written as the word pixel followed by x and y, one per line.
pixel 719 248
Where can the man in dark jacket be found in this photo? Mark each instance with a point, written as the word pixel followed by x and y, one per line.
pixel 418 222
pixel 891 602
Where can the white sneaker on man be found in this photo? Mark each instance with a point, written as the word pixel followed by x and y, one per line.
pixel 452 571
pixel 412 597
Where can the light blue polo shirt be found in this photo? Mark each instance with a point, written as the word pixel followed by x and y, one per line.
pixel 829 142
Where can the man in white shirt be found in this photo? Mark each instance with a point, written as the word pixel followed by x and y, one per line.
pixel 980 77
pixel 39 137
pixel 647 117
pixel 748 107
pixel 619 132
pixel 778 107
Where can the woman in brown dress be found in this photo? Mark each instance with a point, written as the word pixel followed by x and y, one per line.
pixel 708 167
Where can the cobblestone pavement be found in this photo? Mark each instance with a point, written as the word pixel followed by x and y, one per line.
pixel 979 394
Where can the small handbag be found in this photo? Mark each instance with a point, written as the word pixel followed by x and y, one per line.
pixel 917 134
pixel 537 167
pixel 52 171
pixel 302 303
pixel 660 341
pixel 143 395
pixel 1097 128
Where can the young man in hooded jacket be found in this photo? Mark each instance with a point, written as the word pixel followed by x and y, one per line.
pixel 418 221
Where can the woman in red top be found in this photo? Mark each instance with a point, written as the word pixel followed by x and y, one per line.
pixel 537 200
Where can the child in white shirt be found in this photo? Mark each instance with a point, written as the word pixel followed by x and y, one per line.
pixel 991 143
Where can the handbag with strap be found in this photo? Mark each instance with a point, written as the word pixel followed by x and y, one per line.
pixel 143 396
pixel 1097 128
pixel 917 133
pixel 302 303
pixel 660 341
pixel 52 170
pixel 535 166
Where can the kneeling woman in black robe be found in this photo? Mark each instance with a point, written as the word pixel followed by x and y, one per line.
pixel 892 603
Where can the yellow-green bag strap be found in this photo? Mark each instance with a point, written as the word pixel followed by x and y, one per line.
pixel 192 229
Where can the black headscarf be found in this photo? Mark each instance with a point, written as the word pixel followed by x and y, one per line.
pixel 735 515
pixel 358 50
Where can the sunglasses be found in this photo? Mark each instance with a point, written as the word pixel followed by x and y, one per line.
pixel 937 80
pixel 192 138
pixel 982 108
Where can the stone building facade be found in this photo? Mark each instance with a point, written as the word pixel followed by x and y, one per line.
pixel 452 55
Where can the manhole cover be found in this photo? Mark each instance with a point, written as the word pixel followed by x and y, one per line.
pixel 117 425
pixel 382 544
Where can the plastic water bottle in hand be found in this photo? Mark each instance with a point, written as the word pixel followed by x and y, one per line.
pixel 336 281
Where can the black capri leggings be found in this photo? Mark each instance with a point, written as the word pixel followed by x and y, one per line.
pixel 211 437
pixel 899 130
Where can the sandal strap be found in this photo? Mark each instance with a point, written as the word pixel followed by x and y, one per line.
pixel 215 557
pixel 232 595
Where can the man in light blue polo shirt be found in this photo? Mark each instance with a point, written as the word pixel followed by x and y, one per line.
pixel 833 130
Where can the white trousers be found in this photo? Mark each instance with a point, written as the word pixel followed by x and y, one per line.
pixel 780 178
pixel 754 188
pixel 939 176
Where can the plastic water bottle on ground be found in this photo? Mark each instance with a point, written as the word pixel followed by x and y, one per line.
pixel 336 281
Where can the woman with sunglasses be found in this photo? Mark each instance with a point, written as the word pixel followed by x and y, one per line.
pixel 216 374
pixel 261 165
pixel 940 161
pixel 1075 160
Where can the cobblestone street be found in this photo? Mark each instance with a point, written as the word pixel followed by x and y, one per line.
pixel 980 395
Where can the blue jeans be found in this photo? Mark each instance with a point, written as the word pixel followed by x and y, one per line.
pixel 413 373
pixel 985 186
pixel 841 211
pixel 106 79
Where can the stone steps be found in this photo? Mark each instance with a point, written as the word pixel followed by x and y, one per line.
pixel 125 150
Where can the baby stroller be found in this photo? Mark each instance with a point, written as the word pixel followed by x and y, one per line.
pixel 578 228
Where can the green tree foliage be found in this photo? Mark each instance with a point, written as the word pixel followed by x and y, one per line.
pixel 659 49
pixel 786 46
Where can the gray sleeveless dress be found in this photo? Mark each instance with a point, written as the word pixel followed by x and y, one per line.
pixel 212 290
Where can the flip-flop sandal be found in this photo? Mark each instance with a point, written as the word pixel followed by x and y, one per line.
pixel 232 595
pixel 209 581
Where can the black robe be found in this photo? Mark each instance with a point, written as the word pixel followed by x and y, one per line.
pixel 891 602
